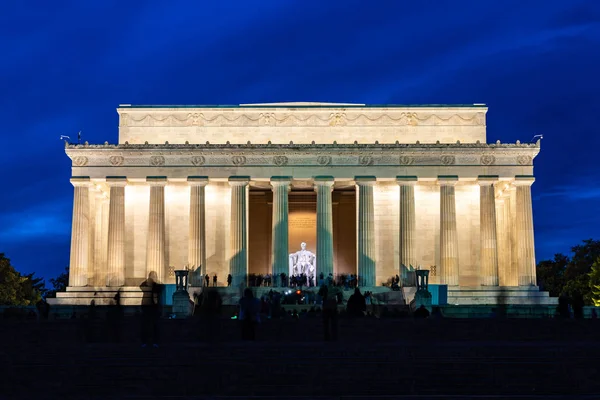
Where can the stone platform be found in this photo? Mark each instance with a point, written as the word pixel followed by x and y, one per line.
pixel 102 296
pixel 513 295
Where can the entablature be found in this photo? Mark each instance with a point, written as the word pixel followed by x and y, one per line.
pixel 302 155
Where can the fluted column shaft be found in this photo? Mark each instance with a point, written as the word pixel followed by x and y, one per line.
pixel 407 225
pixel 197 228
pixel 324 187
pixel 448 233
pixel 155 253
pixel 238 264
pixel 488 237
pixel 80 233
pixel 366 230
pixel 116 232
pixel 525 244
pixel 279 256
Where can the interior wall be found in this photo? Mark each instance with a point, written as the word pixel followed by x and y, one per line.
pixel 302 221
pixel 344 232
pixel 260 232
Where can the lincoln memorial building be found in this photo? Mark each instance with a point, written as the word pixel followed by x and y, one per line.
pixel 377 191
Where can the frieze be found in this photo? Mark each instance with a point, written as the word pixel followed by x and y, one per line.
pixel 80 161
pixel 211 118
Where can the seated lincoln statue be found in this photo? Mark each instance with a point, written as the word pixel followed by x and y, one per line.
pixel 303 262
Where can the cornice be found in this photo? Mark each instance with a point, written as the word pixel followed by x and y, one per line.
pixel 282 155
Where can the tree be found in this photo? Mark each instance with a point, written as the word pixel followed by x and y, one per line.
pixel 551 274
pixel 594 277
pixel 59 284
pixel 17 289
pixel 570 277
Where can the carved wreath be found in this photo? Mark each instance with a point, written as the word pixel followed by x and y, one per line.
pixel 157 161
pixel 365 160
pixel 267 118
pixel 324 160
pixel 524 160
pixel 80 161
pixel 195 119
pixel 406 160
pixel 487 159
pixel 238 160
pixel 116 160
pixel 280 160
pixel 198 160
pixel 337 119
pixel 448 160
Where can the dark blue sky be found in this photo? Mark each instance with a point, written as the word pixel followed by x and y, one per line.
pixel 67 65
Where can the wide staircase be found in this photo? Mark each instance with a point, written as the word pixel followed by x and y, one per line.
pixel 372 358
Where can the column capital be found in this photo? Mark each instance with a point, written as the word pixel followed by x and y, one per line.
pixel 365 180
pixel 524 180
pixel 324 180
pixel 404 180
pixel 447 180
pixel 487 180
pixel 117 181
pixel 197 180
pixel 277 181
pixel 239 180
pixel 156 180
pixel 81 181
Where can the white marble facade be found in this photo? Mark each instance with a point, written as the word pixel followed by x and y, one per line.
pixel 430 191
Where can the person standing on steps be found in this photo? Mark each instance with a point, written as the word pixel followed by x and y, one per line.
pixel 229 278
pixel 215 280
pixel 207 279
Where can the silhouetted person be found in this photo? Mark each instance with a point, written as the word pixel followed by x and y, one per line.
pixel 421 312
pixel 115 316
pixel 150 310
pixel 329 313
pixel 563 307
pixel 249 314
pixel 229 279
pixel 215 280
pixel 577 304
pixel 207 280
pixel 357 305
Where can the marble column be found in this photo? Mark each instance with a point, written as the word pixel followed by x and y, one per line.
pixel 487 234
pixel 501 238
pixel 366 230
pixel 407 226
pixel 512 235
pixel 524 226
pixel 279 249
pixel 448 233
pixel 116 231
pixel 80 232
pixel 100 231
pixel 324 187
pixel 238 263
pixel 197 229
pixel 155 251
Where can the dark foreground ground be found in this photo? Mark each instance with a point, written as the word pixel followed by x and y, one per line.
pixel 373 358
